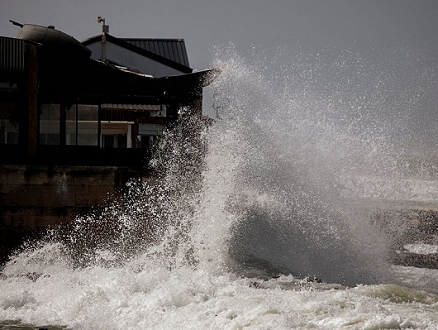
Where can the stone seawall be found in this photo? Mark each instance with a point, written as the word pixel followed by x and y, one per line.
pixel 32 198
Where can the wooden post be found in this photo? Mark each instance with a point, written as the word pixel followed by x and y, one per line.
pixel 31 115
pixel 99 125
pixel 63 125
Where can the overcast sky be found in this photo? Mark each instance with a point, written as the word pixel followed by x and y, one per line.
pixel 352 24
pixel 404 31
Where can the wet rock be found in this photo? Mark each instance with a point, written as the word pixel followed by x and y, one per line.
pixel 416 260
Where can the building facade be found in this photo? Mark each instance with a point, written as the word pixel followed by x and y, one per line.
pixel 77 120
pixel 64 102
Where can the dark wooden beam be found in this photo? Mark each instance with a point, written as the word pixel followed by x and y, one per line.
pixel 30 129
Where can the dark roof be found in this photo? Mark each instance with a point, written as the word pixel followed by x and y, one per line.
pixel 99 81
pixel 168 60
pixel 172 49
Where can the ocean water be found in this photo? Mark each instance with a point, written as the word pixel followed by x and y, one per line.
pixel 268 219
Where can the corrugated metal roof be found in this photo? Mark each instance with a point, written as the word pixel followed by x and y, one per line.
pixel 170 52
pixel 172 49
pixel 12 54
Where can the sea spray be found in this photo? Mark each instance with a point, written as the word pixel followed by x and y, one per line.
pixel 153 215
pixel 287 159
pixel 257 193
pixel 238 214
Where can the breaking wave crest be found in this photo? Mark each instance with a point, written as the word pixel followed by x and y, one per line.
pixel 265 190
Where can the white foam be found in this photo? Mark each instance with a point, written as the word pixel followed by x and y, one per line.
pixel 156 298
pixel 421 248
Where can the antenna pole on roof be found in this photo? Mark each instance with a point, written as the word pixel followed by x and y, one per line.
pixel 105 28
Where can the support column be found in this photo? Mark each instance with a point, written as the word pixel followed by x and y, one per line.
pixel 31 115
pixel 129 137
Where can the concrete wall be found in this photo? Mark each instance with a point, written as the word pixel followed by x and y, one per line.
pixel 32 198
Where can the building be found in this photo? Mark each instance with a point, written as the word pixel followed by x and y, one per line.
pixel 77 120
pixel 66 103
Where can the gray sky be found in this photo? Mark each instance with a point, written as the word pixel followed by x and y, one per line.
pixel 397 35
pixel 354 24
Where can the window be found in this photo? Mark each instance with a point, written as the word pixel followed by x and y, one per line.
pixel 116 134
pixel 9 123
pixel 82 125
pixel 149 133
pixel 50 124
pixel 70 125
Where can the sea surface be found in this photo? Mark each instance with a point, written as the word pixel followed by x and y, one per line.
pixel 284 214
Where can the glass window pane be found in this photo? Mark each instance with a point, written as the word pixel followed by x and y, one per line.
pixel 87 122
pixel 115 134
pixel 88 125
pixel 50 124
pixel 9 123
pixel 70 125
